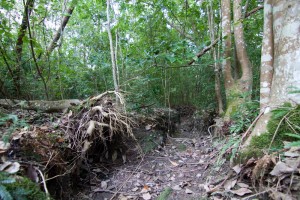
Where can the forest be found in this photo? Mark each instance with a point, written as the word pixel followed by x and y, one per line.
pixel 161 99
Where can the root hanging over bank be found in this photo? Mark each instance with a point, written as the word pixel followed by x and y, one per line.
pixel 98 124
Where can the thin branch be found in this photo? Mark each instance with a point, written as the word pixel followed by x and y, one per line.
pixel 206 49
pixel 35 60
pixel 181 32
pixel 201 53
pixel 10 70
pixel 251 12
pixel 62 27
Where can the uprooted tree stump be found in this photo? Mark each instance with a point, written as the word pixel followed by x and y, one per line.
pixel 92 131
pixel 98 129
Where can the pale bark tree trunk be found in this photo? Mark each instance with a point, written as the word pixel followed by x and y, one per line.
pixel 112 52
pixel 245 82
pixel 267 55
pixel 280 61
pixel 235 89
pixel 216 64
pixel 226 34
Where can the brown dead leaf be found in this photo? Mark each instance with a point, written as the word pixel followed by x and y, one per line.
pixel 188 191
pixel 10 167
pixel 230 184
pixel 279 196
pixel 241 191
pixel 176 187
pixel 281 168
pixel 44 128
pixel 4 146
pixel 147 196
pixel 243 185
pixel 173 163
pixel 103 185
pixel 121 197
pixel 148 127
pixel 237 168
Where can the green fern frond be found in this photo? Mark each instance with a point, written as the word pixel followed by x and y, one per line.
pixel 4 194
pixel 20 194
pixel 293 135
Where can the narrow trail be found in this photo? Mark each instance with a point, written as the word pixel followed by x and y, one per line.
pixel 182 169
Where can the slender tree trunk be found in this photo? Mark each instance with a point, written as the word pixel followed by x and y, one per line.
pixel 28 6
pixel 267 56
pixel 38 69
pixel 216 65
pixel 247 78
pixel 235 89
pixel 280 60
pixel 226 34
pixel 62 27
pixel 112 52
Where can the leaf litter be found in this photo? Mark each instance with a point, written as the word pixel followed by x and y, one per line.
pixel 186 173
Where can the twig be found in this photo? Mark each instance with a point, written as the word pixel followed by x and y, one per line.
pixel 44 183
pixel 254 195
pixel 221 184
pixel 67 172
pixel 277 128
pixel 109 191
pixel 250 127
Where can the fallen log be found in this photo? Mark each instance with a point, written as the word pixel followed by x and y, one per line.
pixel 40 105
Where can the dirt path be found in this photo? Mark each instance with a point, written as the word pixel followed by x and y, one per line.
pixel 179 170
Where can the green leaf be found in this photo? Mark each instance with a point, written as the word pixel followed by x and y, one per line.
pixel 4 194
pixel 293 144
pixel 293 135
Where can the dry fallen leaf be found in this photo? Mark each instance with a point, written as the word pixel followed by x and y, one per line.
pixel 10 167
pixel 148 127
pixel 173 163
pixel 241 191
pixel 281 168
pixel 237 168
pixel 176 187
pixel 188 191
pixel 114 156
pixel 103 185
pixel 278 196
pixel 147 196
pixel 121 197
pixel 4 146
pixel 229 184
pixel 243 185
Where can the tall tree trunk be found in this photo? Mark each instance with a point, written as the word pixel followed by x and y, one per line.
pixel 235 89
pixel 28 6
pixel 112 52
pixel 226 34
pixel 245 82
pixel 267 56
pixel 280 62
pixel 216 64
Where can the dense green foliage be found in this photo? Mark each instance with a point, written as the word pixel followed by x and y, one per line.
pixel 19 188
pixel 154 43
